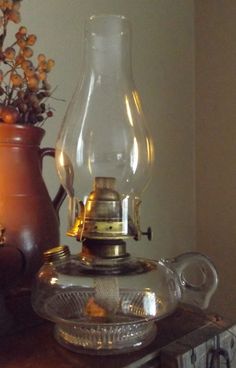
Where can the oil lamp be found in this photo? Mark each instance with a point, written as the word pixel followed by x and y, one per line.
pixel 104 300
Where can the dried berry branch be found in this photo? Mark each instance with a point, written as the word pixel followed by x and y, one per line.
pixel 24 87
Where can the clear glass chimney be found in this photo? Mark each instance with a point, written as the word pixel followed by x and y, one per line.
pixel 104 152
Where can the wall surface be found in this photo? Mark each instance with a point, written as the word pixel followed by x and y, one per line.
pixel 215 143
pixel 163 71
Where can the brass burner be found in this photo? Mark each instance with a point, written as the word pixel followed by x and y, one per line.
pixel 104 248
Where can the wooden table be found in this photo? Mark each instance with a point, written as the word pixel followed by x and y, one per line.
pixel 30 344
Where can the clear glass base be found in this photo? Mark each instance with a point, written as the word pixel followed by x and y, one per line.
pixel 126 328
pixel 105 339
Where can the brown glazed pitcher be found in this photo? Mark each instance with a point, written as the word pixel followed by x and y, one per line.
pixel 27 213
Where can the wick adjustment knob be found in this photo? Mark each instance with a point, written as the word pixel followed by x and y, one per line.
pixel 148 233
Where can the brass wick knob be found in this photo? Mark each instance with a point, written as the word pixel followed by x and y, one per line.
pixel 148 233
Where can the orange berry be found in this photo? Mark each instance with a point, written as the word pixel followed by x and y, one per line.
pixel 31 40
pixel 21 42
pixel 9 115
pixel 26 64
pixel 18 35
pixel 16 80
pixel 50 64
pixel 30 71
pixel 33 83
pixel 42 76
pixel 19 59
pixel 27 52
pixel 42 66
pixel 10 53
pixel 41 57
pixel 23 30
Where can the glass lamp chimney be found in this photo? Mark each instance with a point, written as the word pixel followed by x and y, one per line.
pixel 104 151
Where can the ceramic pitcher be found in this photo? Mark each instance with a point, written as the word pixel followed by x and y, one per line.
pixel 27 214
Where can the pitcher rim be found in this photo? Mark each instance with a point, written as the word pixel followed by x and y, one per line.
pixel 21 126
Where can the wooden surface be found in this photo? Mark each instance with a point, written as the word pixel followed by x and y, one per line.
pixel 30 343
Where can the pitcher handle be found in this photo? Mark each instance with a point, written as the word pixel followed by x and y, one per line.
pixel 199 289
pixel 61 193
